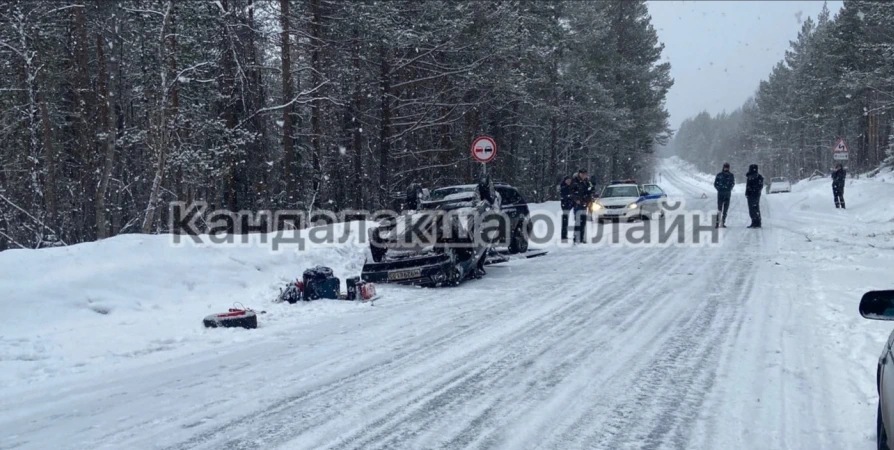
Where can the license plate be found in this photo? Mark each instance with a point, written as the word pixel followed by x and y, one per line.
pixel 404 274
pixel 614 212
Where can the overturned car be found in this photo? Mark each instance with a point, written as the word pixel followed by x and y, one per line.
pixel 440 239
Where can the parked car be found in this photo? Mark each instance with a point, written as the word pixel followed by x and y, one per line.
pixel 879 305
pixel 779 184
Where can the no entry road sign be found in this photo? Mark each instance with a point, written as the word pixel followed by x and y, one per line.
pixel 484 149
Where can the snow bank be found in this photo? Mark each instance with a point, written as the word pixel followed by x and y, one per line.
pixel 868 200
pixel 140 299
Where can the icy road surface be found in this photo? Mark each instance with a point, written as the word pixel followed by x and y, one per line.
pixel 756 344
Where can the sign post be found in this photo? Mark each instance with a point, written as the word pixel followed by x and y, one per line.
pixel 840 151
pixel 484 150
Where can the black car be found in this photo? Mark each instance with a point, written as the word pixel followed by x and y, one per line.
pixel 879 305
pixel 514 206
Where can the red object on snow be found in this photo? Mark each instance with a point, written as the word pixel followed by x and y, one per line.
pixel 300 285
pixel 367 291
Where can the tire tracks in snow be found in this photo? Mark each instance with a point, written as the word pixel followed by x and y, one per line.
pixel 293 416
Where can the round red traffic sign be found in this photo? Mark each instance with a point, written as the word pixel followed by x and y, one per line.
pixel 484 149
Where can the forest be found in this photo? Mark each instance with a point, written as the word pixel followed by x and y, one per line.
pixel 110 110
pixel 836 81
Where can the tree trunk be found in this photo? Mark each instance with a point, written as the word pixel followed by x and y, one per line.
pixel 316 77
pixel 384 127
pixel 287 139
pixel 160 128
pixel 84 128
pixel 357 137
pixel 227 94
pixel 49 151
pixel 107 121
pixel 553 147
pixel 512 157
pixel 33 144
pixel 121 118
pixel 258 148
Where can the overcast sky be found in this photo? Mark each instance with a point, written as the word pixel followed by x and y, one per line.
pixel 720 50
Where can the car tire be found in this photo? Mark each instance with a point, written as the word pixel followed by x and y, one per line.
pixel 454 275
pixel 518 242
pixel 881 436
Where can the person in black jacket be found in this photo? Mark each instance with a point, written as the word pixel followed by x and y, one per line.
pixel 838 177
pixel 754 183
pixel 723 183
pixel 567 205
pixel 582 192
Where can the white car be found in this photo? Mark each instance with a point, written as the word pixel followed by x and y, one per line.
pixel 779 184
pixel 629 201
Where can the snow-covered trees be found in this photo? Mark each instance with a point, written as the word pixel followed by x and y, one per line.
pixel 111 109
pixel 837 80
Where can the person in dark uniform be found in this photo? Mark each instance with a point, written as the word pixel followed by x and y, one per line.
pixel 754 183
pixel 414 196
pixel 838 177
pixel 567 201
pixel 582 191
pixel 723 183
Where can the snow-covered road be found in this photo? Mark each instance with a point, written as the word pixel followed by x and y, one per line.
pixel 753 344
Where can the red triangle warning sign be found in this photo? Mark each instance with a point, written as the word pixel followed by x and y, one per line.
pixel 704 195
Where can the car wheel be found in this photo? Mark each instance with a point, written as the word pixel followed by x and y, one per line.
pixel 881 436
pixel 519 241
pixel 454 275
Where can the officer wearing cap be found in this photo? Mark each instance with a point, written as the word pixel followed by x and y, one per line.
pixel 582 191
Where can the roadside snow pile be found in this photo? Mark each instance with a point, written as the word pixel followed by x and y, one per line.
pixel 868 200
pixel 884 172
pixel 867 223
pixel 81 308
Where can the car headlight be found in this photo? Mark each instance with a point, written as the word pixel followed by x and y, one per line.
pixel 633 206
pixel 595 207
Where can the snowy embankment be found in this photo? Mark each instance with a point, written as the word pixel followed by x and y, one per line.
pixel 137 299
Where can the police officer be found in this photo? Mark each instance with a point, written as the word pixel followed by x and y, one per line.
pixel 414 196
pixel 754 183
pixel 838 177
pixel 582 193
pixel 723 183
pixel 567 202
